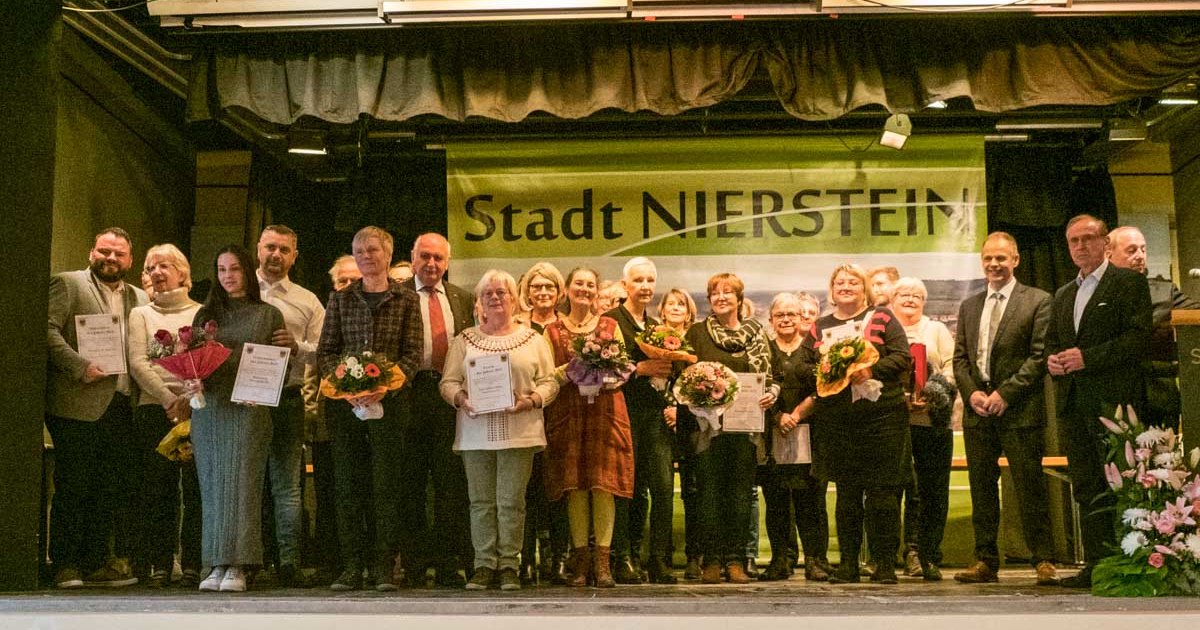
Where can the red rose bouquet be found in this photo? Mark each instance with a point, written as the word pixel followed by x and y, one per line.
pixel 363 374
pixel 192 355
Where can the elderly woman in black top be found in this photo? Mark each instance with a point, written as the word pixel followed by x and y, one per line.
pixel 725 462
pixel 867 442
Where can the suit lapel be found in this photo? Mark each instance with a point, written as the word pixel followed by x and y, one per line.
pixel 973 313
pixel 1066 316
pixel 1098 297
pixel 1014 302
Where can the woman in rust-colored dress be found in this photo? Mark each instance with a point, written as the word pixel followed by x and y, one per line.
pixel 589 450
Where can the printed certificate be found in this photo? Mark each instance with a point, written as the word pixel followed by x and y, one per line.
pixel 102 341
pixel 261 374
pixel 745 416
pixel 489 383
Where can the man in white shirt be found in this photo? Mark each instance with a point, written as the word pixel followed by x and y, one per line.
pixel 1099 332
pixel 303 316
pixel 90 418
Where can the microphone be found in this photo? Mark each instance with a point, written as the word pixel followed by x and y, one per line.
pixel 1194 273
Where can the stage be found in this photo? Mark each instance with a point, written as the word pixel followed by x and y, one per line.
pixel 1014 602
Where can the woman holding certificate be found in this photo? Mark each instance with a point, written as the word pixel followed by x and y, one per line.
pixel 499 375
pixel 725 462
pixel 231 440
pixel 858 355
pixel 161 404
pixel 589 447
pixel 794 495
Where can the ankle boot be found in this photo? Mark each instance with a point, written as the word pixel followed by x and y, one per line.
pixel 624 571
pixel 580 560
pixel 600 568
pixel 660 571
pixel 558 570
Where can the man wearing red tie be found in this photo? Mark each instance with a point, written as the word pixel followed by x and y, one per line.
pixel 444 544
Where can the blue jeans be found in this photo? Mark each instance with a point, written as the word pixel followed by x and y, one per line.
pixel 283 474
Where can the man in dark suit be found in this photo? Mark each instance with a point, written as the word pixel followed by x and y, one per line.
pixel 90 416
pixel 1160 368
pixel 999 368
pixel 445 544
pixel 1099 332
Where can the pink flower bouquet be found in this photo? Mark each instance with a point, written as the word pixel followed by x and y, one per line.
pixel 708 389
pixel 600 361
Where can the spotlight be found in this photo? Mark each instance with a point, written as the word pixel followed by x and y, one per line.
pixel 896 131
pixel 306 142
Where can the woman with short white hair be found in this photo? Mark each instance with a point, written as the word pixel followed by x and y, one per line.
pixel 932 438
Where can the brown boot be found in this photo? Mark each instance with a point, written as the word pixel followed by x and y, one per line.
pixel 736 573
pixel 580 565
pixel 600 568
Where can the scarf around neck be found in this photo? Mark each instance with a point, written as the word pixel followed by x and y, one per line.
pixel 748 337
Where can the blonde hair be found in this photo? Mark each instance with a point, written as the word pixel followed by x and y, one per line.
pixel 544 270
pixel 385 239
pixel 171 254
pixel 684 297
pixel 341 260
pixel 856 271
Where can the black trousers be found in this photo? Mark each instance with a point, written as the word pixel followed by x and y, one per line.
pixel 725 476
pixel 94 485
pixel 1024 448
pixel 1086 450
pixel 430 462
pixel 933 452
pixel 795 504
pixel 653 487
pixel 544 521
pixel 325 534
pixel 876 507
pixel 158 498
pixel 367 471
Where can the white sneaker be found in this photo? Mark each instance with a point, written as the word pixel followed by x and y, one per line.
pixel 213 581
pixel 234 581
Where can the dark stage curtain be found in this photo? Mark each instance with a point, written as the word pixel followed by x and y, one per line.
pixel 1032 192
pixel 820 70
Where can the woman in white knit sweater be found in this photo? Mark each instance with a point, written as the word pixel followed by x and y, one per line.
pixel 497 448
pixel 161 404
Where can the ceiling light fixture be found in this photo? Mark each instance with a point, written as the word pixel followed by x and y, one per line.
pixel 1178 100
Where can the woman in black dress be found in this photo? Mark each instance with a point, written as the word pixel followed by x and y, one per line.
pixel 866 442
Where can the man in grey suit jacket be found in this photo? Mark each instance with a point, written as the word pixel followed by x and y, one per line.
pixel 1099 333
pixel 429 457
pixel 89 415
pixel 999 368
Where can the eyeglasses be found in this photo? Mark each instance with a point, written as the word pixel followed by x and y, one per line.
pixel 498 293
pixel 542 286
pixel 786 315
pixel 909 296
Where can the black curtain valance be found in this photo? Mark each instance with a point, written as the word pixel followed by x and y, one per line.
pixel 819 70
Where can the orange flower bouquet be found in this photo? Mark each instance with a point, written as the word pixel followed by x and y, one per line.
pixel 842 359
pixel 363 374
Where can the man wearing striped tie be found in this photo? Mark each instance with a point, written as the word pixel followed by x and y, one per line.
pixel 999 368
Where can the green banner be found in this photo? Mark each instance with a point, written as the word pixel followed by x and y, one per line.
pixel 732 196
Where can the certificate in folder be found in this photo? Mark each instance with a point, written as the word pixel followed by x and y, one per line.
pixel 745 416
pixel 489 383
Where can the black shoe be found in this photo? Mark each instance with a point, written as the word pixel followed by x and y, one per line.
pixel 482 579
pixel 931 573
pixel 287 576
pixel 868 569
pixel 884 574
pixel 693 569
pixel 845 575
pixel 1083 579
pixel 350 580
pixel 779 569
pixel 384 575
pixel 527 574
pixel 450 577
pixel 558 570
pixel 624 573
pixel 659 572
